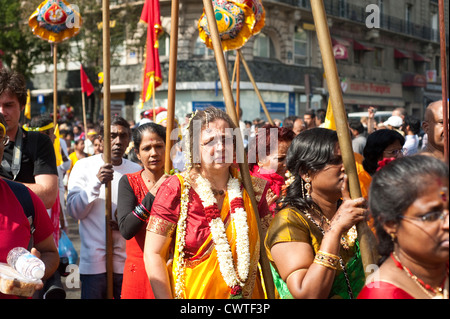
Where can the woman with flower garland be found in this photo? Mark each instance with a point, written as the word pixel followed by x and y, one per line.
pixel 311 242
pixel 204 217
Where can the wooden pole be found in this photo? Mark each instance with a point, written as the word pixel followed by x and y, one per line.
pixel 107 144
pixel 237 64
pixel 444 83
pixel 366 238
pixel 83 103
pixel 55 84
pixel 250 76
pixel 172 81
pixel 244 169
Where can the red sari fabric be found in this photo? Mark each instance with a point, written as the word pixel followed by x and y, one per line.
pixel 135 283
pixel 275 183
pixel 383 290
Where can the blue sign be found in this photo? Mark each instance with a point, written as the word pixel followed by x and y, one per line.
pixel 40 98
pixel 274 107
pixel 201 105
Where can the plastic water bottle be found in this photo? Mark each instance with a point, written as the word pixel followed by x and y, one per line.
pixel 26 263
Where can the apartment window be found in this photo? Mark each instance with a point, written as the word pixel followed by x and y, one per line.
pixel 378 57
pixel 200 49
pixel 164 44
pixel 358 56
pixel 263 47
pixel 408 16
pixel 301 47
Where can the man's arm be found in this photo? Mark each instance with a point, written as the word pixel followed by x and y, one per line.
pixel 46 188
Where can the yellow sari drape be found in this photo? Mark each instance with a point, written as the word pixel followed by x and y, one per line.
pixel 203 279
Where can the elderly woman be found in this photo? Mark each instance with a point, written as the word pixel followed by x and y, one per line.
pixel 311 242
pixel 205 214
pixel 137 192
pixel 409 201
pixel 269 162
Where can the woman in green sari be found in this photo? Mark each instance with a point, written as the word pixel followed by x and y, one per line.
pixel 311 242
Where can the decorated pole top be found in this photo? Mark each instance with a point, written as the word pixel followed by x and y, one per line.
pixel 55 21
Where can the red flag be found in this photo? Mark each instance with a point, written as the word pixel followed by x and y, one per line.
pixel 86 85
pixel 151 16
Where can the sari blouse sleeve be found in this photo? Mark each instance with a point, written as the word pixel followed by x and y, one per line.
pixel 166 208
pixel 287 226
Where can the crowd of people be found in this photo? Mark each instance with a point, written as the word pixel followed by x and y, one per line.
pixel 195 232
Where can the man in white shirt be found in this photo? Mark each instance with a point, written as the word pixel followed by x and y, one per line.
pixel 86 203
pixel 412 129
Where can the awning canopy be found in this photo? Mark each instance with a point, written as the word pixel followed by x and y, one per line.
pixel 420 58
pixel 400 54
pixel 359 46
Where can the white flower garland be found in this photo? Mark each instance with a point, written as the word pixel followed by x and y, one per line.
pixel 221 244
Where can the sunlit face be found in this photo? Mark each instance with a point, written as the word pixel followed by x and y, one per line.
pixel 120 138
pixel 217 145
pixel 11 110
pixel 98 146
pixel 275 162
pixel 422 232
pixel 327 182
pixel 151 151
pixel 434 128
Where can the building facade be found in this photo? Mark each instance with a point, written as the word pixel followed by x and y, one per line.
pixel 387 54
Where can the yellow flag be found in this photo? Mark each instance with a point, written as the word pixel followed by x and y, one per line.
pixel 329 117
pixel 57 147
pixel 27 112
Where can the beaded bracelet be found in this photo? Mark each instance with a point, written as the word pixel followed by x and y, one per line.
pixel 141 212
pixel 327 260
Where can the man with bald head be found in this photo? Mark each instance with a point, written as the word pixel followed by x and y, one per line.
pixel 433 126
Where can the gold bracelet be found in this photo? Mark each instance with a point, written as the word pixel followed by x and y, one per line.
pixel 327 260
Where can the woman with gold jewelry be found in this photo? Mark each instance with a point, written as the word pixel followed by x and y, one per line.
pixel 311 242
pixel 203 219
pixel 408 199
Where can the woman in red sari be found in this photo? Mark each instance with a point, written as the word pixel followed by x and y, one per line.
pixel 408 199
pixel 137 192
pixel 269 162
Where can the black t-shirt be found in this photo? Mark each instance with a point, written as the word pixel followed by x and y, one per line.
pixel 36 159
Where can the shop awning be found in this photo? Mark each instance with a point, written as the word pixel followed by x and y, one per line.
pixel 400 54
pixel 420 58
pixel 360 46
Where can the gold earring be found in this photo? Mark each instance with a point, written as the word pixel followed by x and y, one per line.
pixel 308 186
pixel 393 237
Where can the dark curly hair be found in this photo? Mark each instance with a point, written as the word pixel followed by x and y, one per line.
pixel 151 127
pixel 13 83
pixel 309 152
pixel 395 187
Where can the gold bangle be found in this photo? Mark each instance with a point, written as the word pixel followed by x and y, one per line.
pixel 327 260
pixel 295 271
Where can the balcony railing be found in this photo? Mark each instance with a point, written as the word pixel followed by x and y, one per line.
pixel 355 13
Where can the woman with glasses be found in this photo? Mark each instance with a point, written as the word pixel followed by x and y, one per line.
pixel 311 242
pixel 205 216
pixel 382 145
pixel 409 201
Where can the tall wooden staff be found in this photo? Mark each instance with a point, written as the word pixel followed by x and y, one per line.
pixel 172 82
pixel 366 238
pixel 444 76
pixel 55 83
pixel 107 144
pixel 245 172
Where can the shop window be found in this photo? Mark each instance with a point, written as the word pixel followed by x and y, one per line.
pixel 378 57
pixel 201 51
